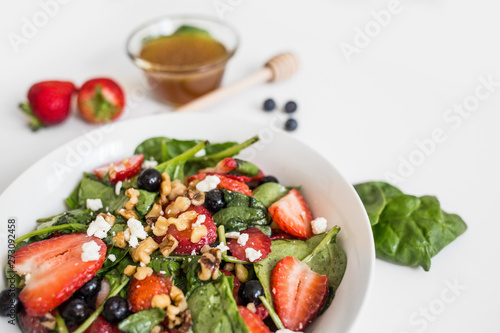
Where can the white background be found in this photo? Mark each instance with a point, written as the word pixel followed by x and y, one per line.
pixel 365 115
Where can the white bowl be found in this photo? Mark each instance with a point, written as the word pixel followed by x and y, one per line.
pixel 41 190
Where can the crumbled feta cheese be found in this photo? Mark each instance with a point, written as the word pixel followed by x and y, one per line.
pixel 149 164
pixel 99 228
pixel 233 234
pixel 142 264
pixel 163 272
pixel 90 251
pixel 136 232
pixel 318 225
pixel 94 204
pixel 118 187
pixel 208 184
pixel 27 277
pixel 286 330
pixel 222 247
pixel 112 257
pixel 242 239
pixel 193 253
pixel 199 220
pixel 252 255
pixel 189 259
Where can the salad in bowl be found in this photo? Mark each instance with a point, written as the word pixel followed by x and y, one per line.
pixel 181 236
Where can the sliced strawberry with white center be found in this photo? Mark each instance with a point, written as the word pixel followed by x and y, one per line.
pixel 121 170
pixel 54 270
pixel 252 245
pixel 293 215
pixel 298 293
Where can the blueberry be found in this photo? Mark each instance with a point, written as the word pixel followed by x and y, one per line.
pixel 88 292
pixel 269 105
pixel 9 302
pixel 149 180
pixel 269 179
pixel 253 184
pixel 250 291
pixel 290 107
pixel 214 201
pixel 115 309
pixel 74 311
pixel 291 124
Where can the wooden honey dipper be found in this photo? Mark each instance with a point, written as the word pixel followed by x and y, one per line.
pixel 280 67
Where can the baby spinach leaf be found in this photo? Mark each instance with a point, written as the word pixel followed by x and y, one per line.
pixel 146 201
pixel 191 266
pixel 175 166
pixel 214 309
pixel 160 263
pixel 269 193
pixel 328 259
pixel 119 254
pixel 142 321
pixel 409 230
pixel 80 216
pixel 241 212
pixel 162 149
pixel 94 189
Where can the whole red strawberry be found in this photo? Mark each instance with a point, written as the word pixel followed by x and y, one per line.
pixel 48 103
pixel 101 100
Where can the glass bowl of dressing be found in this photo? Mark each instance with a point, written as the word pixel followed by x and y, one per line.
pixel 182 57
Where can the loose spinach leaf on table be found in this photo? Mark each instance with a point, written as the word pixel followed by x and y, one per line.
pixel 143 321
pixel 241 212
pixel 407 230
pixel 214 309
pixel 330 260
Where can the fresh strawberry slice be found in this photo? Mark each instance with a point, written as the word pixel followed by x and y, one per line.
pixel 55 269
pixel 141 292
pixel 32 324
pixel 101 100
pixel 226 165
pixel 253 321
pixel 121 170
pixel 100 325
pixel 257 240
pixel 226 183
pixel 184 237
pixel 293 215
pixel 298 293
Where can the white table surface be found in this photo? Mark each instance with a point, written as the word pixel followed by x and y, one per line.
pixel 365 116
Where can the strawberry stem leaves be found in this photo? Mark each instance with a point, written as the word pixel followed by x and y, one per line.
pixel 34 123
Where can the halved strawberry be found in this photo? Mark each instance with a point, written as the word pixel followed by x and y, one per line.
pixel 257 240
pixel 293 215
pixel 100 325
pixel 184 237
pixel 121 170
pixel 141 292
pixel 54 270
pixel 298 293
pixel 236 284
pixel 253 321
pixel 226 183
